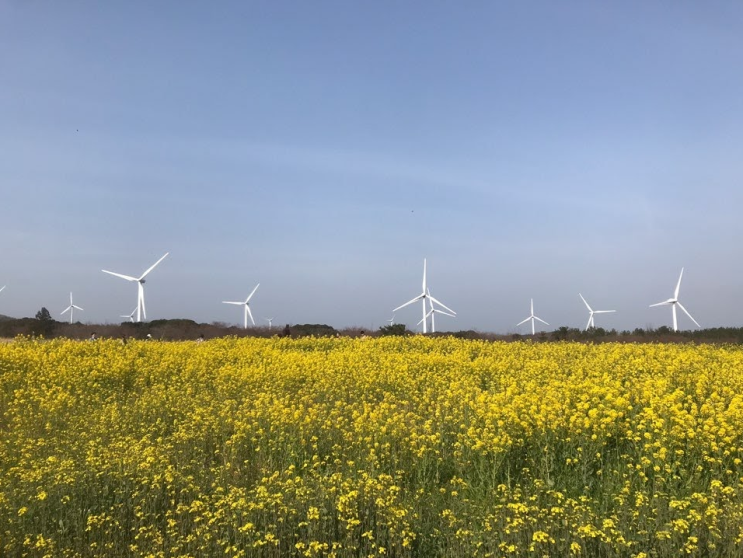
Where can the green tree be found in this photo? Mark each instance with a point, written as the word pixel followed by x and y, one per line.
pixel 45 325
pixel 43 315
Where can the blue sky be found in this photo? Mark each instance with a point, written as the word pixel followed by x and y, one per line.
pixel 323 149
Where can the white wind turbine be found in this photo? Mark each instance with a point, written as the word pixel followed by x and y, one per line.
pixel 269 320
pixel 246 303
pixel 422 297
pixel 432 313
pixel 532 317
pixel 591 311
pixel 71 308
pixel 130 316
pixel 675 301
pixel 141 311
pixel 391 321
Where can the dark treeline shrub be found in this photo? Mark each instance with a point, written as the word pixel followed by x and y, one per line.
pixel 393 329
pixel 315 330
pixel 184 329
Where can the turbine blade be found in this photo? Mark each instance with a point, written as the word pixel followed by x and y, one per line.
pixel 250 314
pixel 584 302
pixel 660 303
pixel 252 293
pixel 603 311
pixel 66 310
pixel 441 304
pixel 231 302
pixel 526 320
pixel 3 287
pixel 153 266
pixel 77 307
pixel 687 313
pixel 424 275
pixel 416 299
pixel 590 318
pixel 678 285
pixel 127 277
pixel 541 320
pixel 442 312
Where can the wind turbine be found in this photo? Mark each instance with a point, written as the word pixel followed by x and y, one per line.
pixel 391 321
pixel 130 316
pixel 432 314
pixel 141 312
pixel 71 308
pixel 532 317
pixel 247 306
pixel 269 320
pixel 675 301
pixel 591 311
pixel 425 294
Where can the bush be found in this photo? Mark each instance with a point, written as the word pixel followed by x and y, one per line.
pixel 393 329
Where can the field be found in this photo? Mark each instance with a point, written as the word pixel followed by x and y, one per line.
pixel 370 447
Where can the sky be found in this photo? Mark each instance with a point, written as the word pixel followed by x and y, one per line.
pixel 323 149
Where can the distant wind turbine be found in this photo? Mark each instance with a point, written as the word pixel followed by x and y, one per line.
pixel 247 306
pixel 130 316
pixel 425 294
pixel 71 308
pixel 432 313
pixel 141 311
pixel 532 317
pixel 675 301
pixel 591 323
pixel 269 320
pixel 391 321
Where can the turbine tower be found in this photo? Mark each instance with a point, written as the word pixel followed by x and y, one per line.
pixel 675 301
pixel 591 323
pixel 141 311
pixel 71 308
pixel 425 294
pixel 532 317
pixel 246 303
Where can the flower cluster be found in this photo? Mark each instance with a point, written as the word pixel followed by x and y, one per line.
pixel 369 447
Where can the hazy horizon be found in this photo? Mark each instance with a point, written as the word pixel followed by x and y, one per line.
pixel 530 150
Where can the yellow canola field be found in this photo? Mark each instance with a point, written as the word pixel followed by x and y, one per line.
pixel 370 447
